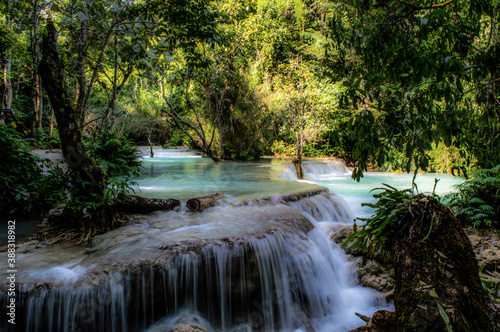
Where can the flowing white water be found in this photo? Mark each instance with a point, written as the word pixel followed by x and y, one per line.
pixel 258 261
pixel 338 179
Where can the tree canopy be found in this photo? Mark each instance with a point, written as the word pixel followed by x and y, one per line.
pixel 387 84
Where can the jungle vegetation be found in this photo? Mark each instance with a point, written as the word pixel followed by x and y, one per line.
pixel 394 85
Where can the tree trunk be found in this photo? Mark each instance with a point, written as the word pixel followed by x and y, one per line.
pixel 81 80
pixel 52 73
pixel 51 121
pixel 151 152
pixel 297 162
pixel 7 82
pixel 7 96
pixel 36 119
pixel 199 204
pixel 437 277
pixel 39 104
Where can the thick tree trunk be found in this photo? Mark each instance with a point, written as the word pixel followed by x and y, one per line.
pixel 437 277
pixel 52 73
pixel 199 204
pixel 36 119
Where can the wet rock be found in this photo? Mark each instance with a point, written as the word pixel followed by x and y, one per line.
pixel 56 214
pixel 374 275
pixel 371 272
pixel 39 288
pixel 180 328
pixel 341 235
pixel 486 246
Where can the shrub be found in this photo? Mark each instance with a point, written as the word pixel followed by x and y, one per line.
pixel 19 173
pixel 391 208
pixel 117 156
pixel 477 201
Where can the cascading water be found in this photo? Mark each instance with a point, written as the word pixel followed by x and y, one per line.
pixel 252 263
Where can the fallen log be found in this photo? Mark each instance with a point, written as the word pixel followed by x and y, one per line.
pixel 199 204
pixel 143 205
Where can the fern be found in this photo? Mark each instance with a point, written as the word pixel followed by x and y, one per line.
pixel 379 230
pixel 477 201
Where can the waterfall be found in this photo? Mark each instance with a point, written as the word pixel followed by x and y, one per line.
pixel 276 282
pixel 259 264
pixel 313 169
pixel 325 207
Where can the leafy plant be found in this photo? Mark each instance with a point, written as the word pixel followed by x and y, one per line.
pixel 391 208
pixel 477 201
pixel 44 140
pixel 380 229
pixel 117 156
pixel 55 186
pixel 19 173
pixel 490 285
pixel 280 148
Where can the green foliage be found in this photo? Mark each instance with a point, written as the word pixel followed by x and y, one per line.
pixel 391 209
pixel 490 285
pixel 177 139
pixel 380 229
pixel 43 139
pixel 117 157
pixel 280 148
pixel 55 186
pixel 19 173
pixel 425 72
pixel 477 201
pixel 446 159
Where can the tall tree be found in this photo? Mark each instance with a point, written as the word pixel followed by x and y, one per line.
pixel 52 71
pixel 7 65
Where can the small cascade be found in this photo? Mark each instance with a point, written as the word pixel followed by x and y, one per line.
pixel 289 173
pixel 313 170
pixel 325 207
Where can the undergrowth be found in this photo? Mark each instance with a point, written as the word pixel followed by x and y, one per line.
pixel 477 201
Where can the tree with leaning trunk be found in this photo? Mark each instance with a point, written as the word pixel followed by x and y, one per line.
pixel 89 178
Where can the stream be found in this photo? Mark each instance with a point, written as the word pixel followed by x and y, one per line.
pixel 260 260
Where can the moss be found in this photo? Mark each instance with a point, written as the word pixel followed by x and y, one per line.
pixel 437 276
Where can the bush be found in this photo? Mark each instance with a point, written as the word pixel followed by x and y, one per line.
pixel 391 209
pixel 19 173
pixel 43 139
pixel 280 148
pixel 117 156
pixel 477 201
